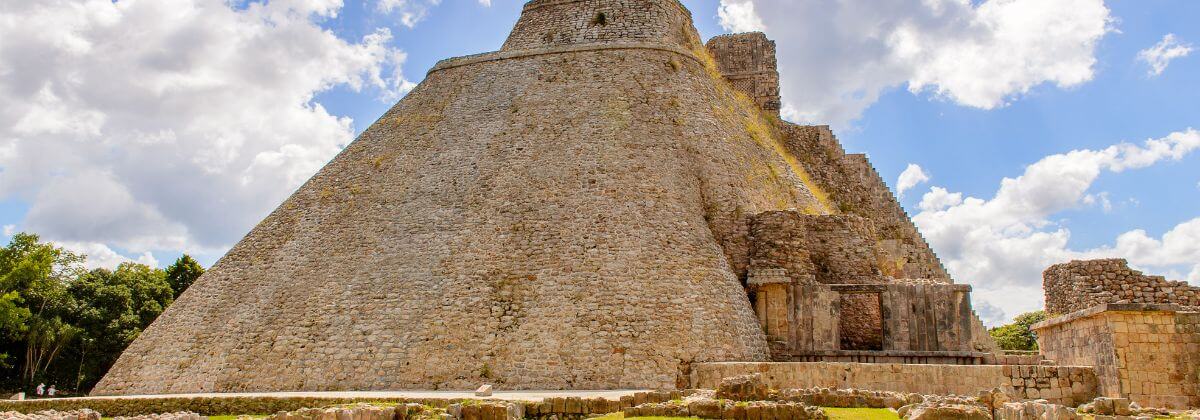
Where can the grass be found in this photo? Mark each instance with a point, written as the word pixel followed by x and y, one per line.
pixel 619 416
pixel 860 413
pixel 834 414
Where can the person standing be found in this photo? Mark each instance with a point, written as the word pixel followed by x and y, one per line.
pixel 51 391
pixel 41 390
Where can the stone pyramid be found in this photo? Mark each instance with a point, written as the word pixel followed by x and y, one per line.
pixel 569 212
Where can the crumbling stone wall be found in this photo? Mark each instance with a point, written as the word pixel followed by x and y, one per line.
pixel 1068 385
pixel 747 61
pixel 1078 285
pixel 1149 353
pixel 854 187
pixel 827 249
pixel 568 22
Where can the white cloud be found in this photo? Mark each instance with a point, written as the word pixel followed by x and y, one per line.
pixel 1002 244
pixel 1159 56
pixel 911 177
pixel 740 17
pixel 130 124
pixel 846 53
pixel 101 256
pixel 10 230
pixel 939 198
pixel 412 12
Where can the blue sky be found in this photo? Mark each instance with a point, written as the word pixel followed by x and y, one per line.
pixel 142 133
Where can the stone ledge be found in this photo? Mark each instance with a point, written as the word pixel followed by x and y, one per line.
pixel 467 60
pixel 1107 307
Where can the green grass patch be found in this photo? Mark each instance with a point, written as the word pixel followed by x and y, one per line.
pixel 619 416
pixel 860 413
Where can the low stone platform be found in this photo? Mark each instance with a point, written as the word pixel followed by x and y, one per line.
pixel 1067 385
pixel 574 403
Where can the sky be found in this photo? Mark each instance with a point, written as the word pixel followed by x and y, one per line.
pixel 1017 133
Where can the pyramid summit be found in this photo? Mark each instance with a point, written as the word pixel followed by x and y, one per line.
pixel 600 204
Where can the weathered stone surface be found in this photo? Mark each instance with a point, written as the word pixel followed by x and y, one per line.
pixel 183 415
pixel 84 414
pixel 1147 353
pixel 743 388
pixel 939 411
pixel 1072 385
pixel 1078 285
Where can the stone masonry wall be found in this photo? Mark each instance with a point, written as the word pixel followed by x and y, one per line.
pixel 1068 385
pixel 854 187
pixel 827 249
pixel 1149 353
pixel 1078 285
pixel 748 62
pixel 562 22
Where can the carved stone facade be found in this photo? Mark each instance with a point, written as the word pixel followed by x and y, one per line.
pixel 748 62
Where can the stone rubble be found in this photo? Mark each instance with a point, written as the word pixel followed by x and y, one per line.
pixel 182 415
pixel 84 414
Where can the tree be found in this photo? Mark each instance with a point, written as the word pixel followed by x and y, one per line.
pixel 14 320
pixel 113 307
pixel 1018 335
pixel 33 280
pixel 183 273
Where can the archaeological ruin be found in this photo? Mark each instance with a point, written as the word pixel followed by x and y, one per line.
pixel 607 202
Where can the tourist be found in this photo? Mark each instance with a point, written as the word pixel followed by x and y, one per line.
pixel 41 389
pixel 51 391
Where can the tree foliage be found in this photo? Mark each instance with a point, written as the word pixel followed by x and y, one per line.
pixel 183 273
pixel 1018 335
pixel 65 325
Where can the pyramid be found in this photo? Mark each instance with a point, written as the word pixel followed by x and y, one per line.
pixel 569 212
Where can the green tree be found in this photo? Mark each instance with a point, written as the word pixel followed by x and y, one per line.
pixel 1018 335
pixel 183 273
pixel 14 320
pixel 33 280
pixel 112 308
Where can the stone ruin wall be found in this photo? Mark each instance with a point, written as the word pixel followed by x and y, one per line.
pixel 1067 385
pixel 855 187
pixel 1078 285
pixel 824 249
pixel 747 61
pixel 1149 353
pixel 546 23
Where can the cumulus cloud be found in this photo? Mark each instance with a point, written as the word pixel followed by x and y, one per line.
pixel 101 256
pixel 411 12
pixel 740 17
pixel 1002 244
pixel 911 177
pixel 130 124
pixel 977 54
pixel 1159 56
pixel 939 198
